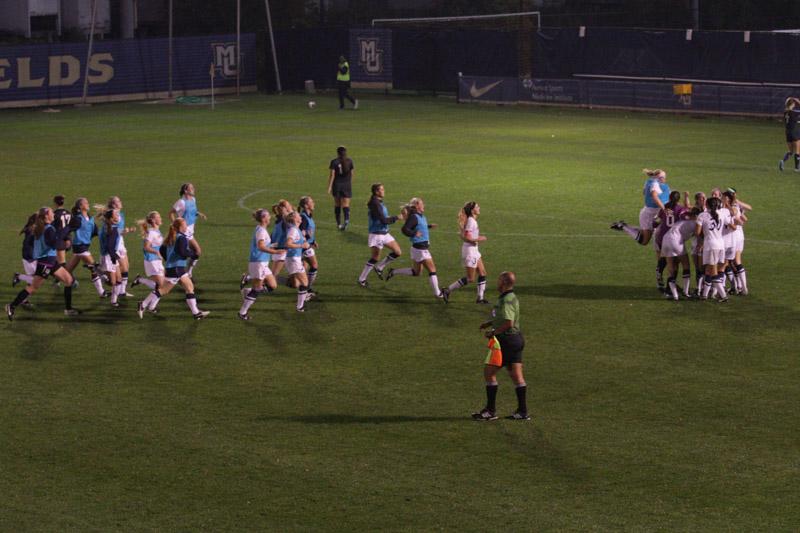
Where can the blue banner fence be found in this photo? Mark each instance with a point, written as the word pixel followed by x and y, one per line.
pixel 131 69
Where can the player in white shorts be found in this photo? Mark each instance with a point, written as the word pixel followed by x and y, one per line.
pixel 697 250
pixel 185 207
pixel 470 255
pixel 295 244
pixel 673 249
pixel 379 236
pixel 710 225
pixel 123 266
pixel 656 194
pixel 110 252
pixel 152 239
pixel 417 229
pixel 739 272
pixel 308 227
pixel 258 265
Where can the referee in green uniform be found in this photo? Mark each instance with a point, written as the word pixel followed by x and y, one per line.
pixel 343 83
pixel 504 326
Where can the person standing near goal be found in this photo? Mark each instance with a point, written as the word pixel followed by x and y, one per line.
pixel 340 186
pixel 343 83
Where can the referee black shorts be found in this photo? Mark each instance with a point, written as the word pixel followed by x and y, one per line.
pixel 511 346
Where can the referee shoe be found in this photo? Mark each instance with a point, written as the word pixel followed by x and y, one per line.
pixel 484 415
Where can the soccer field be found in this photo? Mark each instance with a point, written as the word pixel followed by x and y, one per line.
pixel 648 414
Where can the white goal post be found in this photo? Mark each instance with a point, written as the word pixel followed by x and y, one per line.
pixel 463 18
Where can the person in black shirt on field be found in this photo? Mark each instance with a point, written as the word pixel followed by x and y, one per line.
pixel 61 221
pixel 340 186
pixel 791 121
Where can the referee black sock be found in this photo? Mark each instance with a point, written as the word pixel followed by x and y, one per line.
pixel 346 214
pixel 338 211
pixel 522 402
pixel 491 396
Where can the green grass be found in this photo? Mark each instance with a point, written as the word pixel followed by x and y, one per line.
pixel 649 415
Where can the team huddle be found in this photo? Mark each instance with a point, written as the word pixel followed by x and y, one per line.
pixel 715 226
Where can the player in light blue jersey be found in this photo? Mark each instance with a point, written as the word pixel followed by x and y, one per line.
pixel 379 236
pixel 416 228
pixel 152 239
pixel 186 208
pixel 123 266
pixel 295 243
pixel 258 264
pixel 308 227
pixel 84 229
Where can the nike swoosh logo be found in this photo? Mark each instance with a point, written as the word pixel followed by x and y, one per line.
pixel 477 93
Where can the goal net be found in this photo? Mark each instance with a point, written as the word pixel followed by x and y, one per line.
pixel 522 24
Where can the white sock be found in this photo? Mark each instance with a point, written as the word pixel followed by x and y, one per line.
pixel 124 285
pixel 632 231
pixel 742 275
pixel 403 272
pixel 301 296
pixel 385 261
pixel 191 267
pixel 191 301
pixel 26 278
pixel 115 292
pixel 98 285
pixel 687 282
pixel 149 283
pixel 481 288
pixel 719 286
pixel 249 300
pixel 457 284
pixel 365 273
pixel 151 301
pixel 434 279
pixel 312 276
pixel 673 288
pixel 706 286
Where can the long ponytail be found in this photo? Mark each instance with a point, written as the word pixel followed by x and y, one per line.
pixel 39 224
pixel 29 224
pixel 174 229
pixel 76 209
pixel 464 214
pixel 146 223
pixel 674 199
pixel 712 204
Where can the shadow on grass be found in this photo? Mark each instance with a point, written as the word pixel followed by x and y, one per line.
pixel 590 292
pixel 356 419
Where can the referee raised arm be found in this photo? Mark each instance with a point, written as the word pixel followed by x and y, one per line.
pixel 343 83
pixel 340 186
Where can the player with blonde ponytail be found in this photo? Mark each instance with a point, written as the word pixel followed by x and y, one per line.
pixel 258 266
pixel 151 244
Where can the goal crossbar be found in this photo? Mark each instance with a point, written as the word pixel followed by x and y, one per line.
pixel 537 14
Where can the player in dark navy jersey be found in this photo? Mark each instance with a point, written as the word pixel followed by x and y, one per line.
pixel 28 261
pixel 84 229
pixel 791 122
pixel 109 236
pixel 416 228
pixel 340 186
pixel 46 241
pixel 379 222
pixel 61 218
pixel 177 252
pixel 309 230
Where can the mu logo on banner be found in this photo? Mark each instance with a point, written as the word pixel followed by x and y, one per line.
pixel 370 57
pixel 225 59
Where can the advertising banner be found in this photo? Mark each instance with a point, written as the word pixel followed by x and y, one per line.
pixel 50 74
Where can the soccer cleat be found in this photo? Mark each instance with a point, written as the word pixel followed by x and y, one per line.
pixel 127 294
pixel 618 225
pixel 153 311
pixel 340 227
pixel 105 294
pixel 27 304
pixel 244 317
pixel 344 226
pixel 10 312
pixel 780 165
pixel 72 312
pixel 484 415
pixel 15 279
pixel 136 281
pixel 444 294
pixel 311 296
pixel 378 272
pixel 482 301
pixel 140 309
pixel 723 300
pixel 201 315
pixel 302 309
pixel 389 275
pixel 355 105
pixel 114 304
pixel 243 281
pixel 364 283
pixel 518 416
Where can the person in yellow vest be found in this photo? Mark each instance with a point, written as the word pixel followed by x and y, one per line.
pixel 343 83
